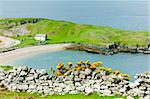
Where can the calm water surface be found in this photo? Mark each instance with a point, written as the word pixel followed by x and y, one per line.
pixel 124 14
pixel 126 63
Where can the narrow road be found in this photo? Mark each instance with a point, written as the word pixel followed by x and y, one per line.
pixel 6 42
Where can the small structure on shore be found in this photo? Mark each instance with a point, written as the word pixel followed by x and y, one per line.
pixel 40 37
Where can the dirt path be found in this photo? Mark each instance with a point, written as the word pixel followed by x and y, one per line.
pixel 8 42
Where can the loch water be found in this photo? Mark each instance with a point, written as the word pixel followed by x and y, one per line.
pixel 126 63
pixel 123 14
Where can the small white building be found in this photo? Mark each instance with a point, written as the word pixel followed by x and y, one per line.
pixel 40 37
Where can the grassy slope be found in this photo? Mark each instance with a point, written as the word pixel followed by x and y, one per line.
pixel 62 31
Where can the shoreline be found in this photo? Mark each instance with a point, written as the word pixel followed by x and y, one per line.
pixel 12 54
pixel 110 50
pixel 27 51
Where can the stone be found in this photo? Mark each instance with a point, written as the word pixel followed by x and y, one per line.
pixel 73 92
pixel 106 92
pixel 103 87
pixel 68 73
pixel 88 77
pixel 69 82
pixel 32 87
pixel 82 72
pixel 39 87
pixel 43 71
pixel 77 79
pixel 30 78
pixel 20 79
pixel 70 77
pixel 82 76
pixel 10 77
pixel 1 70
pixel 88 90
pixel 1 84
pixel 136 83
pixel 122 90
pixel 81 88
pixel 36 75
pixel 44 77
pixel 92 82
pixel 23 73
pixel 59 89
pixel 132 85
pixel 22 87
pixel 77 84
pixel 93 75
pixel 62 85
pixel 136 91
pixel 55 84
pixel 142 88
pixel 67 89
pixel 130 97
pixel 2 74
pixel 139 80
pixel 147 97
pixel 32 71
pixel 88 71
pixel 147 92
pixel 19 69
pixel 76 73
pixel 25 68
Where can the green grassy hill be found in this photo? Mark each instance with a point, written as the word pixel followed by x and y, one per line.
pixel 68 32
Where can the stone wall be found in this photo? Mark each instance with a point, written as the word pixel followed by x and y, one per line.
pixel 24 79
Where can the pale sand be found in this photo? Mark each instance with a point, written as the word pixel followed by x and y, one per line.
pixel 8 42
pixel 27 51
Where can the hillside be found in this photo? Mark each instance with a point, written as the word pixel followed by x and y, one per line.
pixel 68 32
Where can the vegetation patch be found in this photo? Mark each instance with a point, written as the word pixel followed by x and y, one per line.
pixel 6 68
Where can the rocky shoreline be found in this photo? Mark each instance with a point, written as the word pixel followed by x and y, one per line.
pixel 25 79
pixel 110 49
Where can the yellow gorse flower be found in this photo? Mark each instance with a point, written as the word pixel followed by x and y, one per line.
pixel 126 75
pixel 98 71
pixel 93 66
pixel 116 72
pixel 108 69
pixel 60 65
pixel 99 63
pixel 78 68
pixel 59 73
pixel 69 63
pixel 79 63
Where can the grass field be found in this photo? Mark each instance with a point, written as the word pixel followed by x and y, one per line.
pixel 68 32
pixel 20 95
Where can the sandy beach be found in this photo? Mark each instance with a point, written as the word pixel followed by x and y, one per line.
pixel 27 51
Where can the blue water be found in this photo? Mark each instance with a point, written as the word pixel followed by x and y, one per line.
pixel 124 14
pixel 126 63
